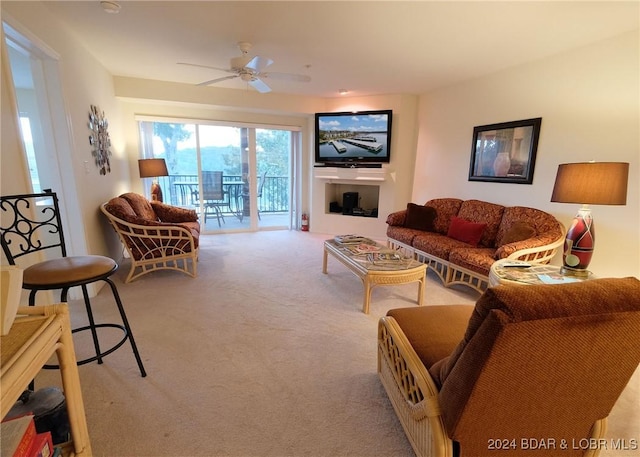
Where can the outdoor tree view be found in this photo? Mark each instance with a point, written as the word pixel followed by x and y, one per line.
pixel 221 148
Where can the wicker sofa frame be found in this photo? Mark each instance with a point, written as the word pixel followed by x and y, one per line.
pixel 540 248
pixel 431 402
pixel 154 245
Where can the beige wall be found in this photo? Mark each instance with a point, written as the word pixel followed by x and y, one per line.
pixel 589 103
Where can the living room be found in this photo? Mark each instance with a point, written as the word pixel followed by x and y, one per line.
pixel 587 97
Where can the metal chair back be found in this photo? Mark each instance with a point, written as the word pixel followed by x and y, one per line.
pixel 30 223
pixel 212 186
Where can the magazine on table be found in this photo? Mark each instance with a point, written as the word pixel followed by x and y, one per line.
pixel 362 248
pixel 382 257
pixel 352 239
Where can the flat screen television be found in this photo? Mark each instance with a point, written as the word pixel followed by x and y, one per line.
pixel 353 137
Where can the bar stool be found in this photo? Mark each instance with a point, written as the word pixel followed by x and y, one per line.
pixel 31 223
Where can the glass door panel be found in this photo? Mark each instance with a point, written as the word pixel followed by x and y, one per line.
pixel 176 144
pixel 223 161
pixel 273 184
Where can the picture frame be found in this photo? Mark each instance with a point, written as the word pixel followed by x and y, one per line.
pixel 505 152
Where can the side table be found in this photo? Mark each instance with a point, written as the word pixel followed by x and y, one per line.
pixel 37 333
pixel 501 274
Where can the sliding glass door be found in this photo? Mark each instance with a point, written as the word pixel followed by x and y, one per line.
pixel 238 178
pixel 274 155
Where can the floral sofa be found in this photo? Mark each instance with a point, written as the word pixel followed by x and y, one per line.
pixel 156 235
pixel 459 240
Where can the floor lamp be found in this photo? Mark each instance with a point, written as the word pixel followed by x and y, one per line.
pixel 587 183
pixel 152 168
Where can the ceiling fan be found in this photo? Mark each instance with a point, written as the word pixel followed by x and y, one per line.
pixel 251 70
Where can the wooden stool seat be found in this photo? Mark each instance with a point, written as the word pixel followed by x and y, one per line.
pixel 68 271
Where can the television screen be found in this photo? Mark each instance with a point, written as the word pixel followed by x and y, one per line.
pixel 359 136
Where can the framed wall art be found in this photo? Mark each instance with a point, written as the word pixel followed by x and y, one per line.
pixel 505 152
pixel 99 139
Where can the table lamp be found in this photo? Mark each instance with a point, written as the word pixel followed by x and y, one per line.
pixel 587 183
pixel 152 168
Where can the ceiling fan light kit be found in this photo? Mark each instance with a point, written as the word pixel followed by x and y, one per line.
pixel 250 69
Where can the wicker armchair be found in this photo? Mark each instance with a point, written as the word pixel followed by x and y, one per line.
pixel 156 236
pixel 528 368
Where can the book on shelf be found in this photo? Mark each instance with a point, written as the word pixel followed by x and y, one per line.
pixel 18 434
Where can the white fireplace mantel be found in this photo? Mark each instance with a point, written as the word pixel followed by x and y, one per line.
pixel 350 174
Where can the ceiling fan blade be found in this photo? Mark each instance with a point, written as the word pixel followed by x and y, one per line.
pixel 206 66
pixel 217 80
pixel 286 77
pixel 260 86
pixel 258 63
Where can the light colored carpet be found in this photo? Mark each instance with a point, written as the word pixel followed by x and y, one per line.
pixel 261 355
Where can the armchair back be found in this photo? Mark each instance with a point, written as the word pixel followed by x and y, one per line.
pixel 549 360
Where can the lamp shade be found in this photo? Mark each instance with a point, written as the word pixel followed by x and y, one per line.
pixel 592 183
pixel 151 168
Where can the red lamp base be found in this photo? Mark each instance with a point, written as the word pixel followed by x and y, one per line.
pixel 579 244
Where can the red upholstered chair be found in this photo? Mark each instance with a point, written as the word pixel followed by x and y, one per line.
pixel 156 236
pixel 541 361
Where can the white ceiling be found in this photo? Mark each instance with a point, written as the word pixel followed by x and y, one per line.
pixel 367 47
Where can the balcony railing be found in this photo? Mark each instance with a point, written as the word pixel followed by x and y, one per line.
pixel 179 190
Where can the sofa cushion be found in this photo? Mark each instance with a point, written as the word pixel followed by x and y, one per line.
pixel 486 213
pixel 121 209
pixel 403 234
pixel 547 229
pixel 520 230
pixel 541 222
pixel 466 231
pixel 437 245
pixel 141 206
pixel 420 217
pixel 194 227
pixel 397 218
pixel 475 259
pixel 445 208
pixel 170 213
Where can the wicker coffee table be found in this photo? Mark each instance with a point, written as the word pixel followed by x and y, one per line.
pixel 373 273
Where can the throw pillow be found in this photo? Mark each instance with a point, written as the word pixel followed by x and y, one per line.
pixel 419 217
pixel 519 231
pixel 466 231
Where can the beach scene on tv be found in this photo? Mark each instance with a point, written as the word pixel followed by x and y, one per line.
pixel 353 135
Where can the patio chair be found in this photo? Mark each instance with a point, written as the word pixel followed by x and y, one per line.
pixel 246 195
pixel 213 194
pixel 31 226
